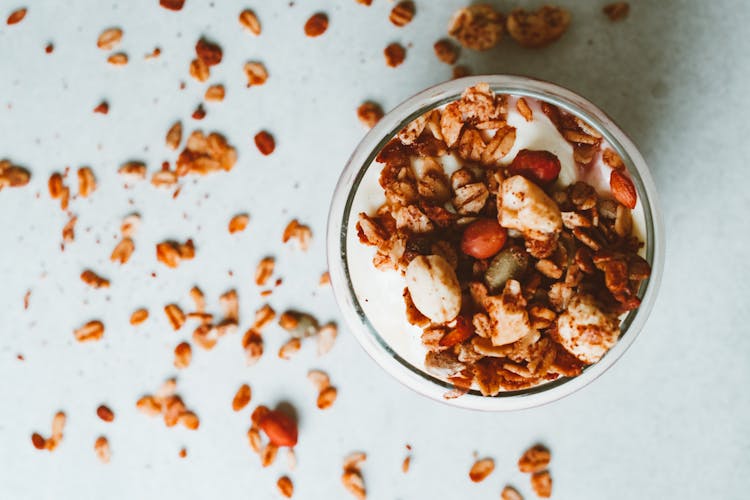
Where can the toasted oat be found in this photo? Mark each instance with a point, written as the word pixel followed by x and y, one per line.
pixel 325 279
pixel 133 169
pixel 256 73
pixel 199 113
pixel 460 71
pixel 91 331
pixel 230 306
pixel 94 280
pixel 182 453
pixel 369 113
pixel 481 469
pixel 16 16
pixel 612 159
pixel 446 51
pixel 539 28
pixel 264 270
pixel 119 59
pixel 366 3
pixel 319 379
pixel 68 232
pixel 153 54
pixel 102 108
pixel 101 447
pixel 353 481
pixel 164 179
pixel 395 54
pixel 130 225
pixel 268 454
pixel 534 459
pixel 208 52
pixel 175 316
pixel 250 21
pixel 215 93
pixel 172 4
pixel 252 342
pixel 402 13
pixel 510 493
pixel 524 110
pixel 199 70
pixel 104 413
pixel 541 483
pixel 242 397
pixel 189 420
pixel 109 39
pixel 26 299
pixel 205 154
pixel 477 27
pixel 58 425
pixel 13 175
pixel 174 136
pixel 238 223
pixel 183 354
pixel 123 251
pixel 299 232
pixel 55 185
pixel 198 299
pixel 265 142
pixel 316 25
pixel 327 397
pixel 170 253
pixel 253 437
pixel 326 337
pixel 291 459
pixel 289 348
pixel 285 486
pixel 406 464
pixel 263 317
pixel 616 11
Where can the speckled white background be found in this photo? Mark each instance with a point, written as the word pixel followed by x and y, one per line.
pixel 669 421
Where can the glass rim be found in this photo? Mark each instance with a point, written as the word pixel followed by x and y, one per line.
pixel 416 378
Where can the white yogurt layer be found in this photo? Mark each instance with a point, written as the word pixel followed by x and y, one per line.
pixel 380 293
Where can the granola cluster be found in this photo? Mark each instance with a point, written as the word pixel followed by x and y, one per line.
pixel 514 279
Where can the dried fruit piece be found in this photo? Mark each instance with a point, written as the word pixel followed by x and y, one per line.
pixel 402 13
pixel 16 16
pixel 541 482
pixel 119 59
pixel 208 52
pixel 250 21
pixel 101 448
pixel 94 280
pixel 483 238
pixel 535 459
pixel 541 167
pixel 616 11
pixel 481 469
pixel 109 39
pixel 369 113
pixel 215 93
pixel 623 189
pixel 104 413
pixel 539 28
pixel 316 25
pixel 280 428
pixel 395 54
pixel 446 51
pixel 242 397
pixel 172 4
pixel 265 143
pixel 299 232
pixel 183 354
pixel 477 27
pixel 264 270
pixel 285 486
pixel 90 332
pixel 256 73
pixel 175 316
pixel 238 223
pixel 86 182
pixel 174 136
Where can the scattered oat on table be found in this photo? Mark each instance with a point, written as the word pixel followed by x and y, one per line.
pixel 616 11
pixel 316 25
pixel 369 113
pixel 395 54
pixel 481 469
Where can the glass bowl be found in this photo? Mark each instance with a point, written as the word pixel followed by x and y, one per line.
pixel 342 219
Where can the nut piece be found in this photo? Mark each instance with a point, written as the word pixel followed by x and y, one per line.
pixel 199 70
pixel 256 73
pixel 434 288
pixel 208 52
pixel 527 208
pixel 285 486
pixel 242 397
pixel 316 25
pixel 326 338
pixel 183 354
pixel 133 169
pixel 481 469
pixel 535 459
pixel 109 39
pixel 623 189
pixel 540 28
pixel 101 448
pixel 585 331
pixel 395 54
pixel 402 13
pixel 541 482
pixel 175 316
pixel 369 113
pixel 90 332
pixel 477 27
pixel 250 21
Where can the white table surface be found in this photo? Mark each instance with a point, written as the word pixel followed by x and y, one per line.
pixel 670 420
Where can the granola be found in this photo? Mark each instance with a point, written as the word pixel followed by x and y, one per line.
pixel 516 270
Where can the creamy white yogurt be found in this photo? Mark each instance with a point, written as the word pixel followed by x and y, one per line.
pixel 380 293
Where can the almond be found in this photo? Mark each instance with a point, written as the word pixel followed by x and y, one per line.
pixel 265 143
pixel 16 16
pixel 280 428
pixel 623 189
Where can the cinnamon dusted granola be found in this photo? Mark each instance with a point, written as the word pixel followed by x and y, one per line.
pixel 204 154
pixel 539 28
pixel 13 175
pixel 477 27
pixel 515 278
pixel 402 13
pixel 170 406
